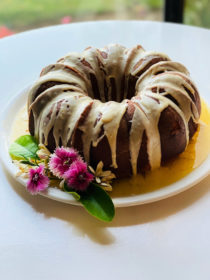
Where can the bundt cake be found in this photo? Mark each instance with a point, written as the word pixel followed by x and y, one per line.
pixel 129 108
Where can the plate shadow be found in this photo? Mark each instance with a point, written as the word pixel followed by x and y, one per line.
pixel 99 232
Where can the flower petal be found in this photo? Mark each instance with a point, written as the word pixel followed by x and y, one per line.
pixel 61 160
pixel 98 180
pixel 99 167
pixel 78 177
pixel 38 181
pixel 91 169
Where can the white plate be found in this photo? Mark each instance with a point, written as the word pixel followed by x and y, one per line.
pixel 6 123
pixel 27 54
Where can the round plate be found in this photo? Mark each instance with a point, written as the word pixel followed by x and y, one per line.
pixel 6 123
pixel 161 38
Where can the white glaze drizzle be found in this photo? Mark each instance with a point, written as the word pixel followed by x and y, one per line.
pixel 113 61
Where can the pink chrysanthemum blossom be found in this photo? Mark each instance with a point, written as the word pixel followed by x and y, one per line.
pixel 61 160
pixel 38 181
pixel 78 177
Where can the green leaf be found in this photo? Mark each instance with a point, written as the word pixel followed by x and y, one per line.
pixel 98 203
pixel 73 193
pixel 25 147
pixel 27 162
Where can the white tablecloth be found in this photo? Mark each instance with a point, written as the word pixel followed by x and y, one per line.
pixel 45 239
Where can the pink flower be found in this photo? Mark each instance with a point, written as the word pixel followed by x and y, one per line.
pixel 78 177
pixel 4 31
pixel 38 181
pixel 61 160
pixel 66 19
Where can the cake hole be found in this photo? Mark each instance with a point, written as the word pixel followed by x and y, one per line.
pixel 189 93
pixel 159 72
pixel 161 90
pixel 94 84
pixel 172 99
pixel 157 90
pixel 114 89
pixel 119 87
pixel 45 86
pixel 154 89
pixel 105 91
pixel 131 86
pixel 147 62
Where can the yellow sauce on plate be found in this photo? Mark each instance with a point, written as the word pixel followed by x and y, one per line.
pixel 195 153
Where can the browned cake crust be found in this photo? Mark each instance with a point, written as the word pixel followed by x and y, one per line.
pixel 135 81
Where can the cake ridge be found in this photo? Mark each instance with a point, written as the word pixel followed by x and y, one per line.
pixel 89 99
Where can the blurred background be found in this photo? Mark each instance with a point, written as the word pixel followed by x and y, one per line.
pixel 21 15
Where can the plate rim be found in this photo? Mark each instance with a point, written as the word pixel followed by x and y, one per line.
pixel 124 21
pixel 188 181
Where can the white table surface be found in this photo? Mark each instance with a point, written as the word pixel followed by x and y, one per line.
pixel 45 239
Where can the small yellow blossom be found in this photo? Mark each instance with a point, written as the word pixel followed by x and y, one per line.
pixel 61 185
pixel 23 169
pixel 107 187
pixel 43 152
pixel 103 178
